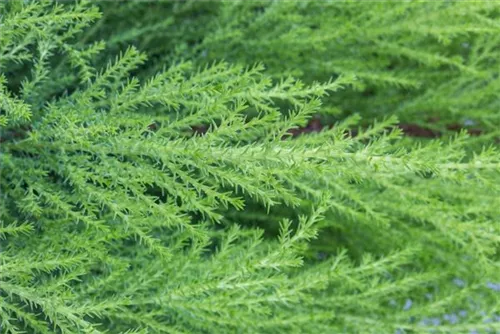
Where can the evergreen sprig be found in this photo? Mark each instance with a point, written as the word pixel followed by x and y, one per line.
pixel 117 216
pixel 418 60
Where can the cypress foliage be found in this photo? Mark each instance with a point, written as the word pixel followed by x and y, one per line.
pixel 120 214
pixel 417 60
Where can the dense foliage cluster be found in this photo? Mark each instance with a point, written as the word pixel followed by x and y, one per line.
pixel 150 181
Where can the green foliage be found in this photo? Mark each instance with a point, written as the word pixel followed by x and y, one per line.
pixel 418 60
pixel 117 216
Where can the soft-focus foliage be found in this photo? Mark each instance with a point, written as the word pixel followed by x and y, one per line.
pixel 415 59
pixel 118 215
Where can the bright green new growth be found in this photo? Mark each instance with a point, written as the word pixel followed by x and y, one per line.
pixel 117 218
